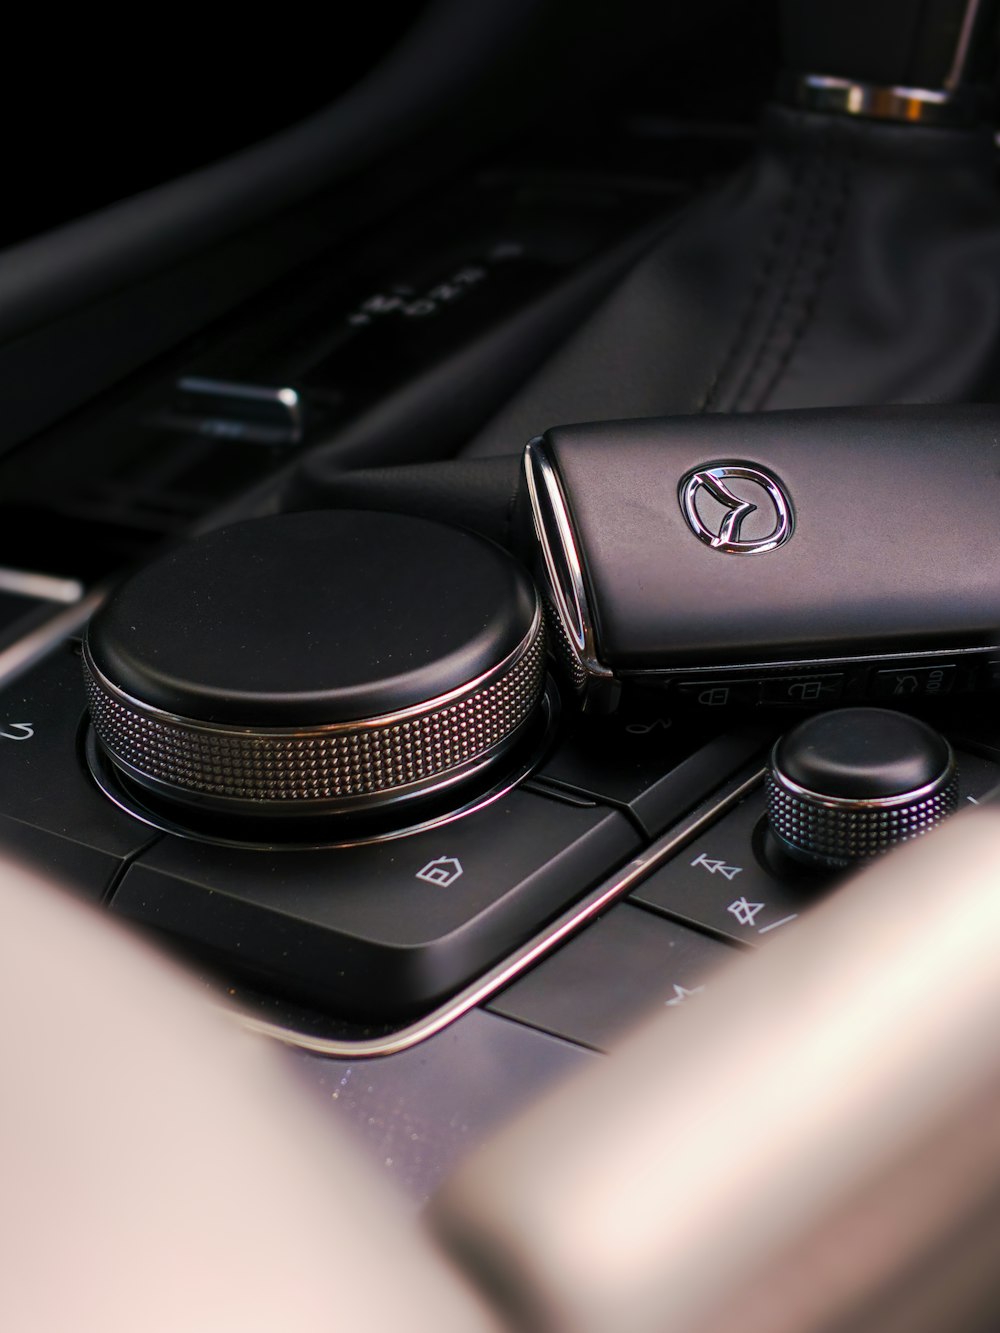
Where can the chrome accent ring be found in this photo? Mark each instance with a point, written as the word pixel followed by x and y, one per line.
pixel 566 591
pixel 334 767
pixel 842 830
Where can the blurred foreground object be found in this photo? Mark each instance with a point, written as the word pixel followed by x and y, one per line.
pixel 812 1144
pixel 162 1171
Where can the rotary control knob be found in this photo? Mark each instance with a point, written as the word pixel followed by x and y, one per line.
pixel 328 663
pixel 848 785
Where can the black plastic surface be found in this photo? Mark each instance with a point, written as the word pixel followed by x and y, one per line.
pixel 614 973
pixel 384 929
pixel 718 883
pixel 19 615
pixel 43 783
pixel 911 43
pixel 862 754
pixel 649 759
pixel 892 550
pixel 14 608
pixel 312 618
pixel 82 870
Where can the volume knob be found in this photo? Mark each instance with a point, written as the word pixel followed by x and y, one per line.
pixel 311 664
pixel 848 785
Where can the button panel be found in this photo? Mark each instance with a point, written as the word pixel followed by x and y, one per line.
pixel 624 966
pixel 718 883
pixel 735 882
pixel 364 931
pixel 828 683
pixel 386 929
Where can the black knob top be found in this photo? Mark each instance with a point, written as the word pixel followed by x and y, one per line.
pixel 847 785
pixel 313 617
pixel 862 754
pixel 309 661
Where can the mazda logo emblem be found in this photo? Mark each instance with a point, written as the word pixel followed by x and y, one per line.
pixel 719 500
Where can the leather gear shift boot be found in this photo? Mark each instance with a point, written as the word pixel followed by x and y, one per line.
pixel 851 262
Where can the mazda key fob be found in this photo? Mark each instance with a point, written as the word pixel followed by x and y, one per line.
pixel 808 557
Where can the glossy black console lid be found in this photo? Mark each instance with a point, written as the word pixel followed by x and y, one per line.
pixel 779 539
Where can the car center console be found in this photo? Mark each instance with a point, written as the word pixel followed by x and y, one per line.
pixel 364 840
pixel 649 827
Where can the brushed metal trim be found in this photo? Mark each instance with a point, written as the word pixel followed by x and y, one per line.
pixel 963 46
pixel 616 886
pixel 913 106
pixel 803 664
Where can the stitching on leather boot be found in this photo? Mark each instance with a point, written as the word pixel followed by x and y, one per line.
pixel 815 278
pixel 826 185
pixel 767 264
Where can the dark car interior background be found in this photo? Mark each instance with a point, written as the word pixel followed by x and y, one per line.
pixel 302 677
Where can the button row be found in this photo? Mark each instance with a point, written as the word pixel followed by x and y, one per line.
pixel 388 929
pixel 380 931
pixel 658 951
pixel 820 689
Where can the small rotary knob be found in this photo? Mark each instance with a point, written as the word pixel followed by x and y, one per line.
pixel 848 785
pixel 329 663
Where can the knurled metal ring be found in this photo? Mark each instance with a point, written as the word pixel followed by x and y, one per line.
pixel 347 767
pixel 843 832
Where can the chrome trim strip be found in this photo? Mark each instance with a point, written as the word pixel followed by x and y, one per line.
pixel 32 647
pixel 561 557
pixel 787 784
pixel 963 46
pixel 803 664
pixel 326 728
pixel 534 949
pixel 25 583
pixel 917 106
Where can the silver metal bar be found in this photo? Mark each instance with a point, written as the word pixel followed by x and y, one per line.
pixel 31 648
pixel 46 587
pixel 479 991
pixel 963 46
